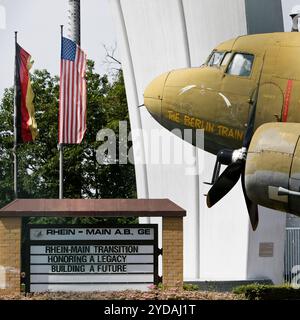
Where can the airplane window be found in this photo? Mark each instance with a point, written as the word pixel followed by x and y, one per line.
pixel 241 65
pixel 226 59
pixel 215 59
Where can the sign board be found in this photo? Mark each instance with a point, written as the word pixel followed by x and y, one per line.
pixel 266 249
pixel 83 258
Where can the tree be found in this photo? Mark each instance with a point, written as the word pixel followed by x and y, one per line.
pixel 38 162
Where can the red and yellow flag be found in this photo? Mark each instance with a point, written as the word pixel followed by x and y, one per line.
pixel 26 124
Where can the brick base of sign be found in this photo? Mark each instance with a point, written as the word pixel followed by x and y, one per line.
pixel 10 255
pixel 172 238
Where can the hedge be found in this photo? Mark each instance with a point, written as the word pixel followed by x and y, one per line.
pixel 268 292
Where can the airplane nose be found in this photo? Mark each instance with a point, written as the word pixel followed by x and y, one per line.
pixel 153 95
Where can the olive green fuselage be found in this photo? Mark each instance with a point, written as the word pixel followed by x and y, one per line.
pixel 216 96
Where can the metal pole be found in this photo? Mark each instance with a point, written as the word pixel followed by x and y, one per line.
pixel 61 151
pixel 15 124
pixel 61 171
pixel 74 21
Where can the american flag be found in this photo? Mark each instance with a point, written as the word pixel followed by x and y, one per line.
pixel 72 95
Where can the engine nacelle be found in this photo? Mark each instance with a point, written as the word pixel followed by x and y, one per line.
pixel 273 161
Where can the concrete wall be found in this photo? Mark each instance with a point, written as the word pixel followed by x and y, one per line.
pixel 156 36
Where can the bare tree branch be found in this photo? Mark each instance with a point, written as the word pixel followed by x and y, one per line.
pixel 110 60
pixel 114 59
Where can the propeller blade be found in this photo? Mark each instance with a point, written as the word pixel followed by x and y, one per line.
pixel 224 184
pixel 251 206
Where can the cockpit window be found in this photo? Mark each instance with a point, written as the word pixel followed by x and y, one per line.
pixel 226 59
pixel 215 59
pixel 241 65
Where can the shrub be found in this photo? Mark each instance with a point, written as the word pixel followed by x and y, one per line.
pixel 190 287
pixel 268 292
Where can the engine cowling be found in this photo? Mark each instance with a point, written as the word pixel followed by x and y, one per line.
pixel 273 161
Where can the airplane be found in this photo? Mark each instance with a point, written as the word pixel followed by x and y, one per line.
pixel 246 98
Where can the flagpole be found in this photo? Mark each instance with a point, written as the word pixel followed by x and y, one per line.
pixel 61 149
pixel 61 171
pixel 15 124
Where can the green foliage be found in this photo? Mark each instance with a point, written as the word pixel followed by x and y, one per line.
pixel 159 286
pixel 268 292
pixel 39 161
pixel 190 287
pixel 186 287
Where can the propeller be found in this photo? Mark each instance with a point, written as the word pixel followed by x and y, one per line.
pixel 251 206
pixel 231 175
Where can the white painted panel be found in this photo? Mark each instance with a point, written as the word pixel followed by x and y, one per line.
pixel 87 287
pixel 158 43
pixel 132 268
pixel 86 259
pixel 156 38
pixel 224 233
pixel 271 229
pixel 210 22
pixel 179 184
pixel 64 249
pixel 43 278
pixel 132 99
pixel 87 234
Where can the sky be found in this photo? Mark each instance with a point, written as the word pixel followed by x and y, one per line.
pixel 38 23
